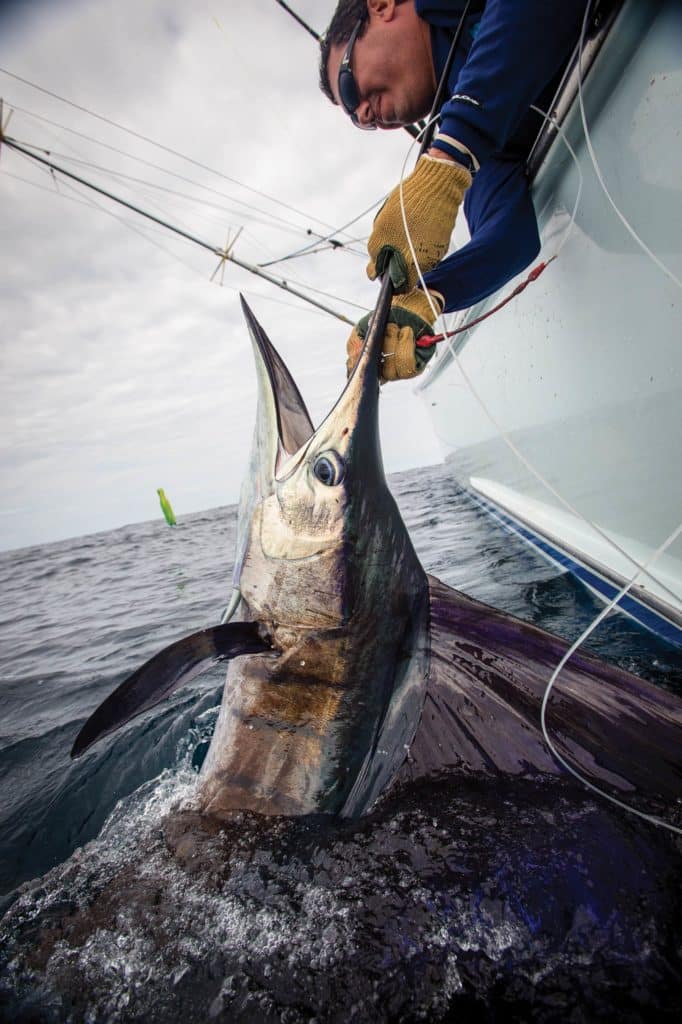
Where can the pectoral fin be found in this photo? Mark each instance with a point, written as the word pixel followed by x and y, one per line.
pixel 166 672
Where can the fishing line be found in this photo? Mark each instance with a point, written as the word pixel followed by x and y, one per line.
pixel 597 170
pixel 160 145
pixel 223 255
pixel 123 178
pixel 148 189
pixel 204 202
pixel 329 246
pixel 322 248
pixel 82 199
pixel 184 233
pixel 92 204
pixel 127 223
pixel 273 217
pixel 653 819
pixel 328 295
pixel 86 200
pixel 579 191
pixel 268 218
pixel 338 231
pixel 641 569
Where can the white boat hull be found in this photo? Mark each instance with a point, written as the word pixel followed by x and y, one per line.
pixel 583 371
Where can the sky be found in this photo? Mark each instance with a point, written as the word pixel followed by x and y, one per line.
pixel 124 367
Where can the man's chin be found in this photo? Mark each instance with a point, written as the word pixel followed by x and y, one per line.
pixel 402 119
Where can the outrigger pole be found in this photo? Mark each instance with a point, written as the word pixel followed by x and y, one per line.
pixel 300 20
pixel 222 254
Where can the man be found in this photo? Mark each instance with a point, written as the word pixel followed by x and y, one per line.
pixel 380 61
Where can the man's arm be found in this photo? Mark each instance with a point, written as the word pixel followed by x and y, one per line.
pixel 504 241
pixel 504 237
pixel 518 48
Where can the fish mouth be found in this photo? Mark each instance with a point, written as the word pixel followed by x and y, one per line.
pixel 284 429
pixel 279 398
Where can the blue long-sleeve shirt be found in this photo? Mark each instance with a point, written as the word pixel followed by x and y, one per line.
pixel 508 58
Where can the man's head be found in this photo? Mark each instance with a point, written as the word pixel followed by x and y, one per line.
pixel 390 62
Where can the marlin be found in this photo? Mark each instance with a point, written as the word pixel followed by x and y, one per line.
pixel 350 669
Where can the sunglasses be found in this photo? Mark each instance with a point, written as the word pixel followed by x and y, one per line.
pixel 346 84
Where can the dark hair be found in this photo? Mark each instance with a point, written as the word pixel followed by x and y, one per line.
pixel 346 16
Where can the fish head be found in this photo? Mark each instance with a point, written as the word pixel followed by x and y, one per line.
pixel 320 516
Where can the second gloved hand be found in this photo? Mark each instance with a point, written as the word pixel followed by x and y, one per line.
pixel 432 195
pixel 411 316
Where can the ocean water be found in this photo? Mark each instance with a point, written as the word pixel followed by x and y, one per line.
pixel 518 902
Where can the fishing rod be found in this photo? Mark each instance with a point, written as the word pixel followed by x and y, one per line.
pixel 222 254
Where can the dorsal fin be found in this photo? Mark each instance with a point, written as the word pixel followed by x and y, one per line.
pixel 487 678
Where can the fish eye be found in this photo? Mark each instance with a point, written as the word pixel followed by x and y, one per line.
pixel 329 469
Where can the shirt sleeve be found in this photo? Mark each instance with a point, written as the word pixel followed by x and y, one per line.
pixel 518 48
pixel 501 218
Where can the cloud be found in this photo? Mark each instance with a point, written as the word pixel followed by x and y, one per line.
pixel 123 368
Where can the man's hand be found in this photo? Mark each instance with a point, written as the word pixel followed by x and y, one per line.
pixel 410 317
pixel 432 195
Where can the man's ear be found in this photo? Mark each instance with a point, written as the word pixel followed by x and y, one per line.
pixel 381 10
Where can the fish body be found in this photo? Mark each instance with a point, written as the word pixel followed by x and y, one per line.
pixel 351 670
pixel 328 568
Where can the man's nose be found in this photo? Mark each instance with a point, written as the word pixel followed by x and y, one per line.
pixel 364 112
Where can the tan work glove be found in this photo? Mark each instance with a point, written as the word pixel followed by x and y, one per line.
pixel 432 195
pixel 410 317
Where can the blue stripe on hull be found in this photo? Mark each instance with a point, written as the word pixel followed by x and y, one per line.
pixel 604 587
